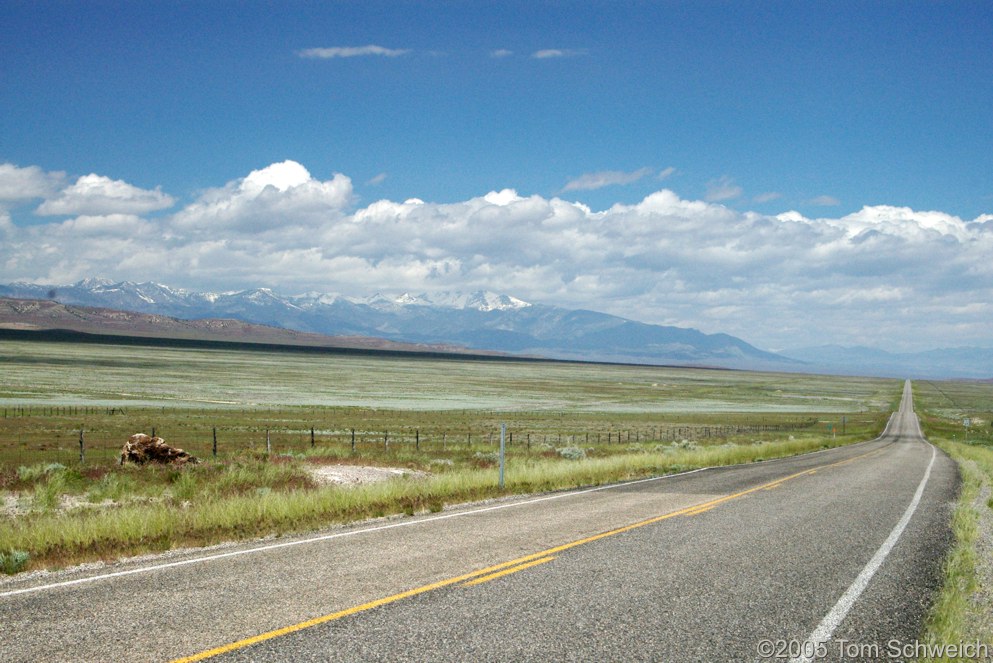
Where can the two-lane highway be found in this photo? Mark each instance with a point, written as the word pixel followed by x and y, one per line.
pixel 836 554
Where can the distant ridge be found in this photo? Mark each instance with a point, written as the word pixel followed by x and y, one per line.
pixel 476 322
pixel 26 318
pixel 970 363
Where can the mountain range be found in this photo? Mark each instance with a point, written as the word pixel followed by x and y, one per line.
pixel 478 322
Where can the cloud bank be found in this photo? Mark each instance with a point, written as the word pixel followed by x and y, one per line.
pixel 920 278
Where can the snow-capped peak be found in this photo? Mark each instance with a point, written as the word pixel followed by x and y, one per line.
pixel 491 301
pixel 481 300
pixel 91 283
pixel 407 299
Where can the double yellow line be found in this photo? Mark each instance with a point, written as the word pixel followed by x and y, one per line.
pixel 506 568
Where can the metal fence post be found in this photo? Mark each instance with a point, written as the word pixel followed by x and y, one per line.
pixel 503 436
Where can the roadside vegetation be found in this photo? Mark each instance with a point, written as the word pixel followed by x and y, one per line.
pixel 71 514
pixel 569 425
pixel 958 418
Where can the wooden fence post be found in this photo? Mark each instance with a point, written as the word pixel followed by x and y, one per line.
pixel 215 441
pixel 81 447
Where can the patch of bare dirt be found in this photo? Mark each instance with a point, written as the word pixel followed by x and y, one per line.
pixel 353 475
pixel 10 505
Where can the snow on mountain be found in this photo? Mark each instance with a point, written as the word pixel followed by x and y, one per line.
pixel 480 300
pixel 128 294
pixel 481 320
pixel 93 283
pixel 407 299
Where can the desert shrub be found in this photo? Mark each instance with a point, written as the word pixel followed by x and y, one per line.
pixel 13 561
pixel 486 457
pixel 571 453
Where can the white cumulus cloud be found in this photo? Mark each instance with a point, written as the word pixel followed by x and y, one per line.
pixel 27 183
pixel 101 226
pixel 95 195
pixel 278 197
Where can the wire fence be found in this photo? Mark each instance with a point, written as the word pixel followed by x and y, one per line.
pixel 45 435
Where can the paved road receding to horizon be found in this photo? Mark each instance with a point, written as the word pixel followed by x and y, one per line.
pixel 836 553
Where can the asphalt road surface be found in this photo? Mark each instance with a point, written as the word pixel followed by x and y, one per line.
pixel 829 556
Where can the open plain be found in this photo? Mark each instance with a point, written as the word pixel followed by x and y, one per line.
pixel 613 432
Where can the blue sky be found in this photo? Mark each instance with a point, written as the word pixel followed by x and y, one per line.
pixel 753 115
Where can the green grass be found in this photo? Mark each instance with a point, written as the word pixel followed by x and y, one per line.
pixel 961 611
pixel 953 620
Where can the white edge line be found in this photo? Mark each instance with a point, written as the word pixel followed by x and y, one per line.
pixel 833 619
pixel 335 535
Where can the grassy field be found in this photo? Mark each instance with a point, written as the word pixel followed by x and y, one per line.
pixel 957 416
pixel 62 374
pixel 569 425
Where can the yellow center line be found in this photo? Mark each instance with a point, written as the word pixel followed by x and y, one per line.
pixel 703 509
pixel 504 568
pixel 506 572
